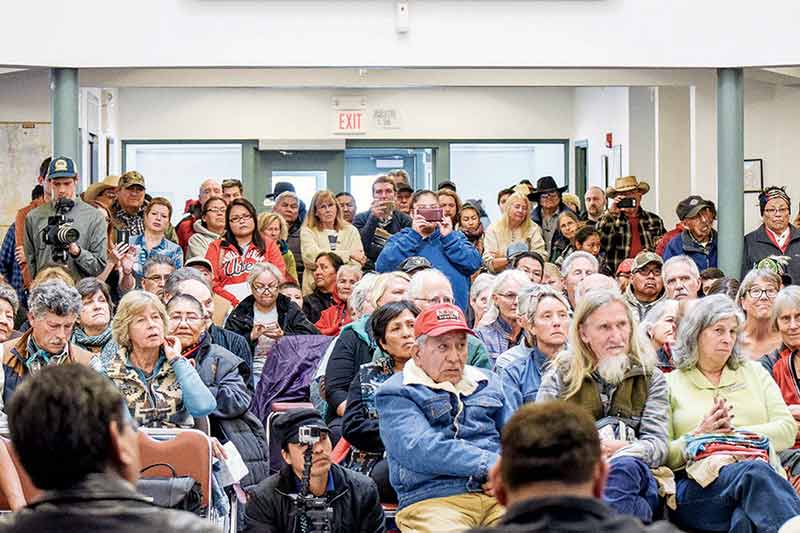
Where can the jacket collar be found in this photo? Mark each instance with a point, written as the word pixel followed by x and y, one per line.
pixel 728 379
pixel 95 486
pixel 287 481
pixel 690 244
pixel 761 234
pixel 414 375
pixel 572 507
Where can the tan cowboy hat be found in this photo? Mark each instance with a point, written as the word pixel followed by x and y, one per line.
pixel 96 189
pixel 625 184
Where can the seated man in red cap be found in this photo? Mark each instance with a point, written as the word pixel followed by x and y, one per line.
pixel 440 420
pixel 351 497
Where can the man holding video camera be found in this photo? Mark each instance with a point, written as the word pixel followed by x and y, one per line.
pixel 626 229
pixel 432 236
pixel 65 231
pixel 294 501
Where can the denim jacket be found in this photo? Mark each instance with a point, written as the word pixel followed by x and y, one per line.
pixel 441 439
pixel 521 378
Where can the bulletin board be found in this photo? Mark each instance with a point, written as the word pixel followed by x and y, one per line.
pixel 22 150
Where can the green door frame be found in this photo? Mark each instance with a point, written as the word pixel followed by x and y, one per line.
pixel 581 181
pixel 250 160
pixel 332 161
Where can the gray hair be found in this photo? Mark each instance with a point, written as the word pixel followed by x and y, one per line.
pixel 587 284
pixel 655 314
pixel 55 297
pixel 131 305
pixel 788 298
pixel 361 292
pixel 422 278
pixel 529 298
pixel 752 277
pixel 348 269
pixel 705 313
pixel 500 281
pixel 567 264
pixel 685 259
pixel 173 283
pixel 482 282
pixel 260 268
pixel 185 298
pixel 8 294
pixel 154 260
pixel 286 194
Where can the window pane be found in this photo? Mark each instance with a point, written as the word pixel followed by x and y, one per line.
pixel 361 189
pixel 306 182
pixel 481 170
pixel 175 171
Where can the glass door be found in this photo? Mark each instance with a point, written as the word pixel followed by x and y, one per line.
pixel 308 170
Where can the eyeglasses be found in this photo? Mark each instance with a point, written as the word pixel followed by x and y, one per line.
pixel 240 218
pixel 217 210
pixel 507 295
pixel 262 289
pixel 757 292
pixel 437 300
pixel 189 319
pixel 780 211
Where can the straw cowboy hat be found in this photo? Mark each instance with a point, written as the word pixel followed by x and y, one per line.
pixel 626 184
pixel 96 189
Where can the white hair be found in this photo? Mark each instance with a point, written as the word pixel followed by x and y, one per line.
pixel 655 314
pixel 595 282
pixel 567 264
pixel 481 283
pixel 421 279
pixel 788 298
pixel 500 281
pixel 348 269
pixel 685 259
pixel 260 268
pixel 361 291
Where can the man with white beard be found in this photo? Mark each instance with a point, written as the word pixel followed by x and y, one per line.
pixel 609 372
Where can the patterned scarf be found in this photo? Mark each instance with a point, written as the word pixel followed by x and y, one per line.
pixel 103 345
pixel 38 357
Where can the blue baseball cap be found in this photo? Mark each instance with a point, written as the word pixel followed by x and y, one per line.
pixel 61 167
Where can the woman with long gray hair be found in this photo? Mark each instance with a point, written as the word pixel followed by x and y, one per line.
pixel 716 389
pixel 498 329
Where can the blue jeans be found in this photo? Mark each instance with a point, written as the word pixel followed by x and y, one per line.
pixel 631 488
pixel 747 497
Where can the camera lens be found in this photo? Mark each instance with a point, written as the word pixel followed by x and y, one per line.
pixel 67 234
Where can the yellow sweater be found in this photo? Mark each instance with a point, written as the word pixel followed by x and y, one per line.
pixel 315 241
pixel 494 243
pixel 757 406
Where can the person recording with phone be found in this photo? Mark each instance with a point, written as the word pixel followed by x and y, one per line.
pixel 310 493
pixel 626 229
pixel 432 236
pixel 381 221
pixel 65 231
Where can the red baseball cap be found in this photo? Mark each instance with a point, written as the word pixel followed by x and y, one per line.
pixel 625 267
pixel 440 319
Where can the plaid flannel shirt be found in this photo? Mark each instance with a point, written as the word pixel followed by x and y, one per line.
pixel 615 235
pixel 9 266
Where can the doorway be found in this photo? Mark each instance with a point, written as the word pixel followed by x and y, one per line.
pixel 581 174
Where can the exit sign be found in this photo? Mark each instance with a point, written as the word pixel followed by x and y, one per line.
pixel 348 122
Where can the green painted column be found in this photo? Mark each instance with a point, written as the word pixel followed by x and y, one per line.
pixel 64 108
pixel 730 169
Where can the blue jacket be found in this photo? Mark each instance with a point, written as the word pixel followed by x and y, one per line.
pixel 453 255
pixel 440 439
pixel 684 244
pixel 521 378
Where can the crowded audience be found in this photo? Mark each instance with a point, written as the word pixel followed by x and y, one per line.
pixel 562 364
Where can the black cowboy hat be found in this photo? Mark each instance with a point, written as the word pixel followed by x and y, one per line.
pixel 545 184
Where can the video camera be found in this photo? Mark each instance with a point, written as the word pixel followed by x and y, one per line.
pixel 59 232
pixel 313 510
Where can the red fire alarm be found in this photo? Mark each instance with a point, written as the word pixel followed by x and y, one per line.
pixel 609 140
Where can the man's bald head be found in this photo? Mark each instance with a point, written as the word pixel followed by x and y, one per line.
pixel 209 188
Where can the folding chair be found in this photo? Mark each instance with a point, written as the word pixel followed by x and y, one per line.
pixel 188 451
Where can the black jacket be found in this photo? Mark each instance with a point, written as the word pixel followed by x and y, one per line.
pixel 354 500
pixel 238 346
pixel 349 353
pixel 290 318
pixel 367 224
pixel 221 371
pixel 101 503
pixel 315 303
pixel 757 246
pixel 570 514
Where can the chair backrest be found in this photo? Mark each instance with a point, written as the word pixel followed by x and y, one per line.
pixel 29 490
pixel 188 451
